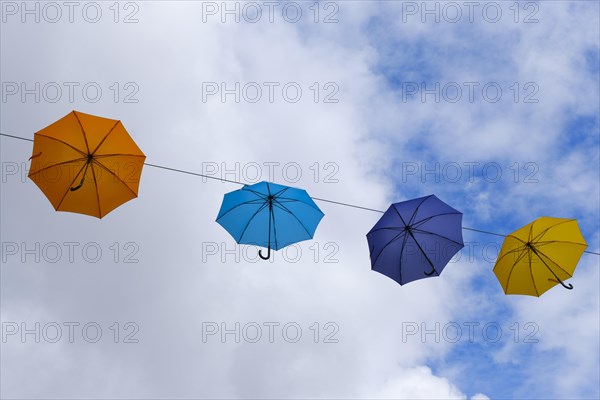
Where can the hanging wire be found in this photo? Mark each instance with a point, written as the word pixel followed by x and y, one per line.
pixel 182 171
pixel 16 137
pixel 486 232
pixel 193 173
pixel 348 205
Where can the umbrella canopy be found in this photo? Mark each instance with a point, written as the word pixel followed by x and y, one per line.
pixel 415 239
pixel 86 164
pixel 539 256
pixel 269 215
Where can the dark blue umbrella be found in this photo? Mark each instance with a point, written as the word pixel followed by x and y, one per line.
pixel 269 215
pixel 415 239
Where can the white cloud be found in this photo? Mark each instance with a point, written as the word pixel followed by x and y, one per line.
pixel 417 383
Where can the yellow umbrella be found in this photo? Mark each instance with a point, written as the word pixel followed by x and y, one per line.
pixel 539 256
pixel 86 164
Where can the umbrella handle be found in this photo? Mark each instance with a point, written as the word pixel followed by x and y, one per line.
pixel 83 177
pixel 569 286
pixel 78 186
pixel 268 254
pixel 422 252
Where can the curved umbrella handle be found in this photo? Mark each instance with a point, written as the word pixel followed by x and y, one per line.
pixel 268 254
pixel 569 286
pixel 78 186
pixel 433 271
pixel 89 160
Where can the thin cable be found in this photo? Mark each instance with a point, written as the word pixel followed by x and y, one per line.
pixel 16 137
pixel 497 234
pixel 348 205
pixel 486 232
pixel 150 165
pixel 314 198
pixel 193 173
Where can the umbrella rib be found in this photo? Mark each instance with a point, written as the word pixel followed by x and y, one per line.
pixel 117 155
pixel 423 252
pixel 433 216
pixel 518 238
pixel 105 137
pixel 510 252
pixel 63 142
pixel 254 201
pixel 250 220
pixel 392 228
pixel 293 215
pixel 69 187
pixel 539 236
pixel 56 165
pixel 398 212
pixel 531 273
pixel 435 234
pixel 512 268
pixel 387 244
pixel 412 218
pixel 268 189
pixel 260 209
pixel 97 193
pixel 550 269
pixel 261 195
pixel 558 241
pixel 553 262
pixel 300 201
pixel 520 248
pixel 83 133
pixel 115 175
pixel 277 194
pixel 525 243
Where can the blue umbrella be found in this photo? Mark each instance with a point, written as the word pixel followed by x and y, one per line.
pixel 269 215
pixel 415 239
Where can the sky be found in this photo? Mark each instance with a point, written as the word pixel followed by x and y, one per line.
pixel 491 106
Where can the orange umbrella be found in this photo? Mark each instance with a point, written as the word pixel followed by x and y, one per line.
pixel 86 164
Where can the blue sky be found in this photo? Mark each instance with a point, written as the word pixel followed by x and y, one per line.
pixel 426 59
pixel 382 142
